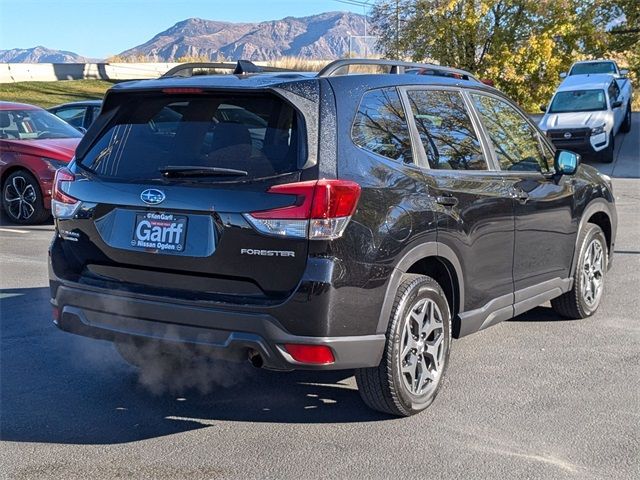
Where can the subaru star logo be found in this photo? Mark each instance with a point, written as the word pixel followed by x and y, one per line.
pixel 151 196
pixel 567 134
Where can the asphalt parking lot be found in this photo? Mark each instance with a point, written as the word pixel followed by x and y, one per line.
pixel 534 397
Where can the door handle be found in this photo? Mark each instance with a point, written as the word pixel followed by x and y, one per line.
pixel 447 200
pixel 520 195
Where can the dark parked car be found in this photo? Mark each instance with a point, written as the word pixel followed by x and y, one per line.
pixel 364 223
pixel 78 114
pixel 33 144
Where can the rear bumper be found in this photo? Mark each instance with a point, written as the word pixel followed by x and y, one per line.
pixel 229 334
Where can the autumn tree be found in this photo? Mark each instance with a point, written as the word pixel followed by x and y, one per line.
pixel 521 45
pixel 625 39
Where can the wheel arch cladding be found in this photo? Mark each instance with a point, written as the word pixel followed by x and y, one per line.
pixel 600 213
pixel 437 261
pixel 443 272
pixel 601 219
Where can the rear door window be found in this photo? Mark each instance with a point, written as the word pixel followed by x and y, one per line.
pixel 444 126
pixel 381 127
pixel 258 134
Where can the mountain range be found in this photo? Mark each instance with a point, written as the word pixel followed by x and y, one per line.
pixel 40 54
pixel 324 36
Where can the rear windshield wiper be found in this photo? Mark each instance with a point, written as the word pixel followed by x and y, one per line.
pixel 197 171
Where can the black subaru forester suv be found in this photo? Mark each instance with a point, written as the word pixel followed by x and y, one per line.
pixel 323 221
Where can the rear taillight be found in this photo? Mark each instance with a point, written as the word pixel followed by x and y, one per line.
pixel 62 204
pixel 321 211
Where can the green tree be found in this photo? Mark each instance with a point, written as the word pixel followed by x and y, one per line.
pixel 521 45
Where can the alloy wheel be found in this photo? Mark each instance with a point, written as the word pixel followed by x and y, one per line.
pixel 20 198
pixel 422 347
pixel 593 273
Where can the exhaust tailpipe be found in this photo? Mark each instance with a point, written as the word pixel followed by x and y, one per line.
pixel 256 359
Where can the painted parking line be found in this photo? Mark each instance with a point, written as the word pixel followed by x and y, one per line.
pixel 13 230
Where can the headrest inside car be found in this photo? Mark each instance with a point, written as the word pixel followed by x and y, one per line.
pixel 5 120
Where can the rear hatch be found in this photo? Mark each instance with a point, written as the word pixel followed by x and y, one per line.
pixel 165 189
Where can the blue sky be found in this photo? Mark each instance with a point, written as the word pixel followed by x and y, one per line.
pixel 99 28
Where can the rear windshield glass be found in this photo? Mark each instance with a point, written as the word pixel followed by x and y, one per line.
pixel 256 134
pixel 593 67
pixel 578 101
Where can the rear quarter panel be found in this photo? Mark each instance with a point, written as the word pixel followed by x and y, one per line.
pixel 394 214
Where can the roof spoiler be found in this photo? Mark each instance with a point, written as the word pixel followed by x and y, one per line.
pixel 241 67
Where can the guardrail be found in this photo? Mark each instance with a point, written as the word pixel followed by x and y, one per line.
pixel 43 72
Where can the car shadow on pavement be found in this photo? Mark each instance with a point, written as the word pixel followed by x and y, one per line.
pixel 5 222
pixel 541 314
pixel 61 388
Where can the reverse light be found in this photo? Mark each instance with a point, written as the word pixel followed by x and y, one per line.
pixel 322 210
pixel 597 130
pixel 62 204
pixel 315 354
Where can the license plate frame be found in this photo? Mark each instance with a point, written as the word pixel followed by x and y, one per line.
pixel 160 232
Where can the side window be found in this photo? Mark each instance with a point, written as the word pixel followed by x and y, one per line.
pixel 516 142
pixel 446 131
pixel 614 92
pixel 73 116
pixel 380 125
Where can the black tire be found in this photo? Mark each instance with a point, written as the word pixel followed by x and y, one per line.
pixel 606 155
pixel 626 124
pixel 22 199
pixel 384 388
pixel 573 304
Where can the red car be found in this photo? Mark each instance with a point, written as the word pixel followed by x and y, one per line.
pixel 33 145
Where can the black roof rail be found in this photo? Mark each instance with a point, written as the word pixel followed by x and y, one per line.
pixel 240 68
pixel 396 67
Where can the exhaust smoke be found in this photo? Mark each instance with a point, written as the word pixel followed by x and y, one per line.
pixel 174 368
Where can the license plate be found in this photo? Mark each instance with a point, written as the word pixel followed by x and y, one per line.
pixel 160 232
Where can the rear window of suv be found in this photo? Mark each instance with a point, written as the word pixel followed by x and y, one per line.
pixel 258 134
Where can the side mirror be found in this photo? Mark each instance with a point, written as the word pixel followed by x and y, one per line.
pixel 566 162
pixel 624 72
pixel 563 75
pixel 616 104
pixel 543 108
